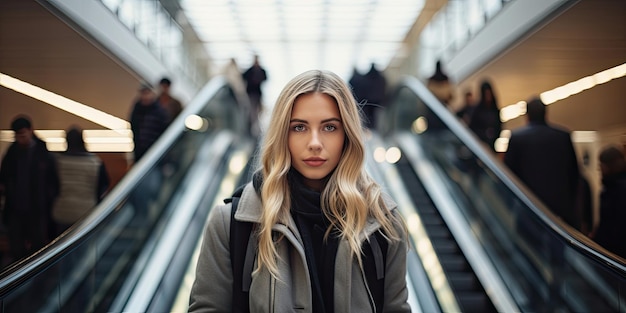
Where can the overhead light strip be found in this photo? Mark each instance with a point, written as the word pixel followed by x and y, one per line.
pixel 518 109
pixel 96 140
pixel 99 117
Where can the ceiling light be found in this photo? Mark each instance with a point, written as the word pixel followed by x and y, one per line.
pixel 513 111
pixel 63 103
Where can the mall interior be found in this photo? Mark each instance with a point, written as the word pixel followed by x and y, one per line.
pixel 480 239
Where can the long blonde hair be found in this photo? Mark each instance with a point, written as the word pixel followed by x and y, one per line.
pixel 350 195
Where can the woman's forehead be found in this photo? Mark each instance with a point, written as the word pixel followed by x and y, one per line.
pixel 315 105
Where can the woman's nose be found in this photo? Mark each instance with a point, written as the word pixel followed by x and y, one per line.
pixel 315 142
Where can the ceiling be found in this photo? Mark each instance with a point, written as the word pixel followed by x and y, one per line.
pixel 37 47
pixel 293 36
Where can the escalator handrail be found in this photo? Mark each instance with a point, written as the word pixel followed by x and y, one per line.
pixel 168 243
pixel 36 263
pixel 575 239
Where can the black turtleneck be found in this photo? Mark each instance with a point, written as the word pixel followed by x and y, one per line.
pixel 320 254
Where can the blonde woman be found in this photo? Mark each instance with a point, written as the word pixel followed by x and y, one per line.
pixel 324 237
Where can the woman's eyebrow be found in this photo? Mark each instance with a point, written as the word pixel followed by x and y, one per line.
pixel 332 119
pixel 297 120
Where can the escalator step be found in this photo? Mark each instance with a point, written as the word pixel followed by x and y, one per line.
pixel 443 247
pixel 463 281
pixel 439 233
pixel 474 302
pixel 424 206
pixel 455 264
pixel 432 221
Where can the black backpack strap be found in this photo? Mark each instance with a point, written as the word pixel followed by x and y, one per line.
pixel 375 262
pixel 378 257
pixel 246 279
pixel 239 255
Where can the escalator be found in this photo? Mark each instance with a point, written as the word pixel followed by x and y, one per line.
pixel 470 295
pixel 481 242
pixel 142 235
pixel 497 245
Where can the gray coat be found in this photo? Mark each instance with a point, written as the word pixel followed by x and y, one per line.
pixel 211 291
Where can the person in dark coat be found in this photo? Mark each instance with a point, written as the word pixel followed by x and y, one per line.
pixel 465 113
pixel 171 104
pixel 30 181
pixel 375 85
pixel 584 205
pixel 543 157
pixel 611 233
pixel 439 84
pixel 254 78
pixel 370 92
pixel 485 119
pixel 357 84
pixel 148 121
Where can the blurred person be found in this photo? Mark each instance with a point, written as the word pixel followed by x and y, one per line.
pixel 358 85
pixel 28 176
pixel 485 119
pixel 439 84
pixel 375 88
pixel 465 113
pixel 315 218
pixel 544 159
pixel 234 78
pixel 611 233
pixel 148 120
pixel 370 91
pixel 254 78
pixel 172 106
pixel 584 204
pixel 84 181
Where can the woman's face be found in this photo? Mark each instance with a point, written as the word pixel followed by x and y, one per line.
pixel 316 137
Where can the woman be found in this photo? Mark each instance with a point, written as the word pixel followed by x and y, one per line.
pixel 313 206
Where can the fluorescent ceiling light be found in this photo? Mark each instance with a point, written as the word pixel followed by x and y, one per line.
pixel 96 140
pixel 516 110
pixel 63 103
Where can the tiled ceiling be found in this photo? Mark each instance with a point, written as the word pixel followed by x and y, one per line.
pixel 291 36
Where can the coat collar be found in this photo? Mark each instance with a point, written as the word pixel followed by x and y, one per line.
pixel 249 209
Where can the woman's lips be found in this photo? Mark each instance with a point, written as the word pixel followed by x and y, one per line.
pixel 314 162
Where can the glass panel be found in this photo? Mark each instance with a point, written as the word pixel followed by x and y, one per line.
pixel 126 14
pixel 544 269
pixel 159 31
pixel 451 28
pixel 89 275
pixel 492 7
pixel 112 4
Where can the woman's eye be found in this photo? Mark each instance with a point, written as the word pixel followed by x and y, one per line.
pixel 299 128
pixel 330 127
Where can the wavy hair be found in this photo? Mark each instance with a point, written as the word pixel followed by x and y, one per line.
pixel 350 195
